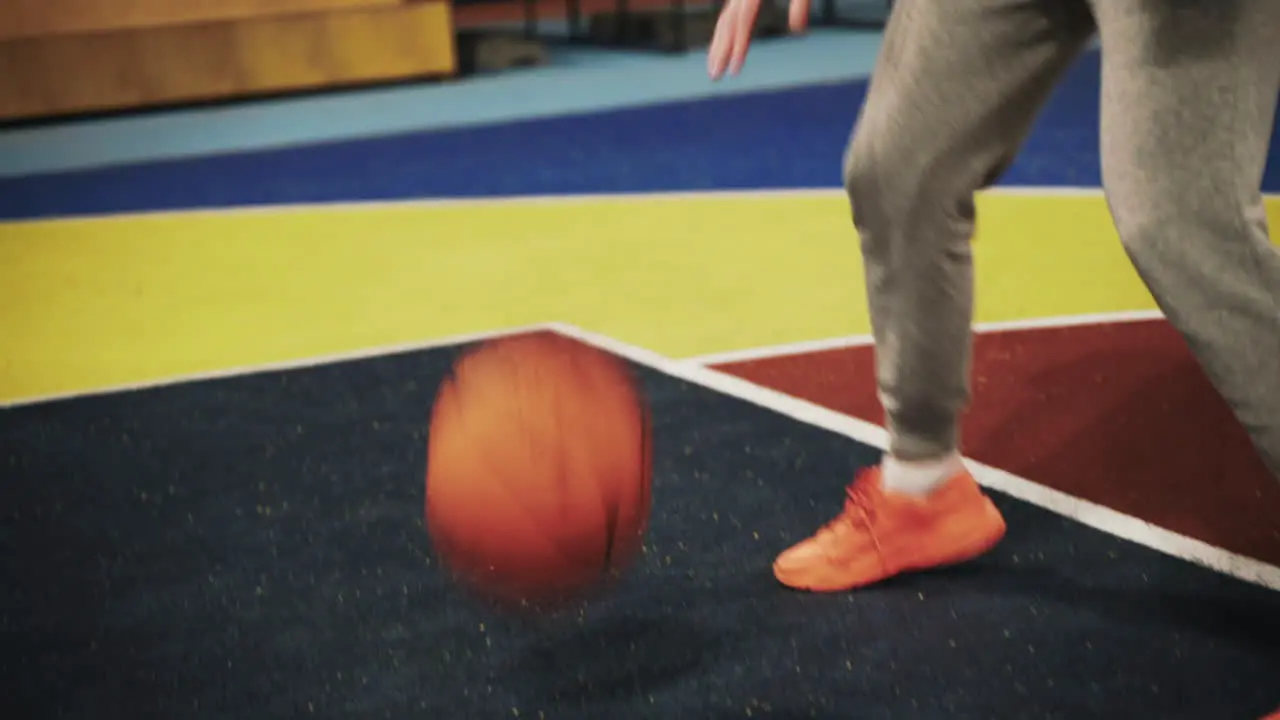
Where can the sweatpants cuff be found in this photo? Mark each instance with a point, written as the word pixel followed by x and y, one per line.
pixel 911 444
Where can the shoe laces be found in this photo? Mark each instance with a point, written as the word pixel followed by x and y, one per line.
pixel 860 503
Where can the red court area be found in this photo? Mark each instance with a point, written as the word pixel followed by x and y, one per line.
pixel 1117 413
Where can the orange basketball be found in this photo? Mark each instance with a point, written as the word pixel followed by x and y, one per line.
pixel 538 469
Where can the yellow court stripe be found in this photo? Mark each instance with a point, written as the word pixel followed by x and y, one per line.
pixel 90 304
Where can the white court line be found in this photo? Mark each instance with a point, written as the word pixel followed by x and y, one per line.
pixel 849 341
pixel 1057 191
pixel 450 203
pixel 1087 513
pixel 300 364
pixel 473 201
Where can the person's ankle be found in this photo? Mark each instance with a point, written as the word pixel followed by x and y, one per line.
pixel 919 476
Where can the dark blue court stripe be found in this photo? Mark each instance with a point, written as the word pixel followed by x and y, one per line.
pixel 783 139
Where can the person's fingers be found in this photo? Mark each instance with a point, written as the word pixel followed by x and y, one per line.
pixel 721 41
pixel 744 24
pixel 798 15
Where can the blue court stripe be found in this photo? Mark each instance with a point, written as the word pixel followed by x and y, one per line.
pixel 785 139
pixel 578 81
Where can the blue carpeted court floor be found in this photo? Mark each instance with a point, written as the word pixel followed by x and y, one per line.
pixel 254 548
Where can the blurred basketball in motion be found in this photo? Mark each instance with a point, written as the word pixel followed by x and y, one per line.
pixel 538 470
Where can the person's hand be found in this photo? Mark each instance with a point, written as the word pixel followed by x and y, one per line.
pixel 729 45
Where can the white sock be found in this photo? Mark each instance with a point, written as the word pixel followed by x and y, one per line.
pixel 919 477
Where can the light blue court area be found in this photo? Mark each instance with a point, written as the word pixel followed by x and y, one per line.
pixel 578 80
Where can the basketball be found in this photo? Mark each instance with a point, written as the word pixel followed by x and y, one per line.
pixel 538 470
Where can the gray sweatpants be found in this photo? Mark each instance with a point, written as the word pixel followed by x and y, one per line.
pixel 1189 91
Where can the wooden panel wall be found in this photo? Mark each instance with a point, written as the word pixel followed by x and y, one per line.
pixel 60 74
pixel 34 18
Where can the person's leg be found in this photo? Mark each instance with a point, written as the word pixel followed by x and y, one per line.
pixel 955 90
pixel 1189 92
pixel 954 93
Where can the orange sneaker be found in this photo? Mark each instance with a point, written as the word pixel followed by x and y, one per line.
pixel 882 533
